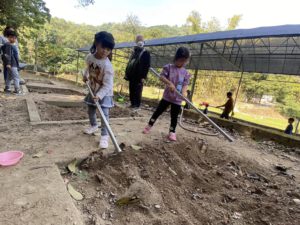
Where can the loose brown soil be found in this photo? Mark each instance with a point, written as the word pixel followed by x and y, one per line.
pixel 190 182
pixel 49 112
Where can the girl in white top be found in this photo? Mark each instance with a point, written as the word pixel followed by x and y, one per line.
pixel 100 75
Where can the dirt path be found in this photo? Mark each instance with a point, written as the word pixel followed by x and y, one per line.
pixel 33 192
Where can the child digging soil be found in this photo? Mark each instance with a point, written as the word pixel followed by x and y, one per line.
pixel 100 74
pixel 175 76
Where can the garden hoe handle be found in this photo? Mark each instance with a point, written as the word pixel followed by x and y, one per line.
pixel 111 134
pixel 199 111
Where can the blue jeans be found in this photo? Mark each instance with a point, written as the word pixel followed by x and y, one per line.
pixel 93 118
pixel 13 74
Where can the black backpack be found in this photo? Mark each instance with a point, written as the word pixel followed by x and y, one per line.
pixel 132 66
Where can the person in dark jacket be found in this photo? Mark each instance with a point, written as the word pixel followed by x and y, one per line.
pixel 289 129
pixel 11 62
pixel 136 71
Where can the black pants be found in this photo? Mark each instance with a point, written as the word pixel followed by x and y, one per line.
pixel 225 115
pixel 162 106
pixel 135 93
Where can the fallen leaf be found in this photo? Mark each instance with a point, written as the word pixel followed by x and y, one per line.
pixel 136 147
pixel 75 194
pixel 172 171
pixel 127 200
pixel 72 166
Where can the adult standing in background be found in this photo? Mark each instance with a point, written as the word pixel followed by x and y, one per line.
pixel 137 70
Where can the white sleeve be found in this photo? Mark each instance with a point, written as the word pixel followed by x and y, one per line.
pixel 108 82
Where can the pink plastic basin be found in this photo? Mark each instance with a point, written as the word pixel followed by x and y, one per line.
pixel 10 158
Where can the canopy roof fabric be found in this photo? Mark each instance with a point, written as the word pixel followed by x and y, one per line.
pixel 264 50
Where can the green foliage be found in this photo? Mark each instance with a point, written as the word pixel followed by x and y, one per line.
pixel 20 13
pixel 233 22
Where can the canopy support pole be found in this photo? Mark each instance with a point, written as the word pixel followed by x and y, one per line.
pixel 194 83
pixel 237 92
pixel 297 126
pixel 77 76
pixel 196 74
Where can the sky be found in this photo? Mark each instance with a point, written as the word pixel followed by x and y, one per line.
pixel 255 13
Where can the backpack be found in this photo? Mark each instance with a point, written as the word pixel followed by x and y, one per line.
pixel 132 66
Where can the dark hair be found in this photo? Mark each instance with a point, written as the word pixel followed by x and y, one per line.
pixel 7 30
pixel 10 33
pixel 229 94
pixel 105 39
pixel 182 52
pixel 291 120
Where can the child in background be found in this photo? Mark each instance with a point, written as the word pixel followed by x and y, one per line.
pixel 11 63
pixel 289 129
pixel 100 75
pixel 175 76
pixel 228 106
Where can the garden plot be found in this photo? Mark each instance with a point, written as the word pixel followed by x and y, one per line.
pixel 59 111
pixel 191 182
pixel 39 81
pixel 50 88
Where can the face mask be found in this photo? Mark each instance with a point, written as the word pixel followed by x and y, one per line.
pixel 140 44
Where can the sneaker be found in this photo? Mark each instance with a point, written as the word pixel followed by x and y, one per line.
pixel 91 130
pixel 18 92
pixel 7 91
pixel 135 109
pixel 147 129
pixel 172 136
pixel 103 144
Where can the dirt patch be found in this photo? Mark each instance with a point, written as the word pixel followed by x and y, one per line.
pixel 13 110
pixel 184 183
pixel 50 112
pixel 39 81
pixel 53 91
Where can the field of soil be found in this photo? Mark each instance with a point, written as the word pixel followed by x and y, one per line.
pixel 189 182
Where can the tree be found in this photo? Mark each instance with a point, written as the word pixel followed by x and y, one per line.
pixel 18 13
pixel 194 20
pixel 213 25
pixel 132 24
pixel 233 22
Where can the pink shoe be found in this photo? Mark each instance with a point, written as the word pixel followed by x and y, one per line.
pixel 172 136
pixel 147 129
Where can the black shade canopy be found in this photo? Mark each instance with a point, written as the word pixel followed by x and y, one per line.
pixel 264 50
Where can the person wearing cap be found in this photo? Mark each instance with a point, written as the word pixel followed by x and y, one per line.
pixel 136 71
